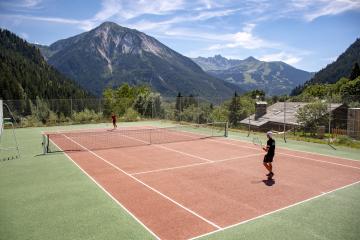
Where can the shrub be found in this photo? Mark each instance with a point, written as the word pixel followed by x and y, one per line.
pixel 131 115
pixel 30 121
pixel 86 116
pixel 219 114
pixel 52 119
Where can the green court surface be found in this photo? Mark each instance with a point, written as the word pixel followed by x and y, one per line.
pixel 48 197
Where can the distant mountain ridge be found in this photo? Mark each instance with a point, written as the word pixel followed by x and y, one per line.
pixel 334 71
pixel 275 78
pixel 110 55
pixel 24 74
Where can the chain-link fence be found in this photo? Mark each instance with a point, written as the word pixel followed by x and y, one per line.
pixel 328 118
pixel 40 112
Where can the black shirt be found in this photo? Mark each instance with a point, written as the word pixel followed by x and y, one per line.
pixel 271 144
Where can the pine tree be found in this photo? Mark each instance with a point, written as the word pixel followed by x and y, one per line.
pixel 355 72
pixel 179 105
pixel 191 101
pixel 234 110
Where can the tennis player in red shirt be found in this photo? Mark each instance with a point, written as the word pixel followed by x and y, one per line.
pixel 113 117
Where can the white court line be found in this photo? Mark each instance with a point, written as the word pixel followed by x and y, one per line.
pixel 195 164
pixel 170 149
pixel 295 150
pixel 234 158
pixel 307 158
pixel 146 185
pixel 184 153
pixel 312 159
pixel 302 151
pixel 272 212
pixel 286 154
pixel 109 194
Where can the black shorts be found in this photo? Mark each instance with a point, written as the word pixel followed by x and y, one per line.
pixel 268 158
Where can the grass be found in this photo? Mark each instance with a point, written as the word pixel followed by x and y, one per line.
pixel 48 197
pixel 333 216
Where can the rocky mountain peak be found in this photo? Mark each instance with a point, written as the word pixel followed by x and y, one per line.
pixel 109 55
pixel 251 59
pixel 122 40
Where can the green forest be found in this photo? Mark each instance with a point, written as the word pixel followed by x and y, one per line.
pixel 27 78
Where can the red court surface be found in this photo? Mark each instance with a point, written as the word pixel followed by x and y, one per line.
pixel 183 190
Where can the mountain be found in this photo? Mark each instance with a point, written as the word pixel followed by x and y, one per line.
pixel 216 63
pixel 333 72
pixel 275 78
pixel 110 55
pixel 24 74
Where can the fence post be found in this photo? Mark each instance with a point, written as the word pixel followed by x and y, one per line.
pixel 198 109
pixel 330 117
pixel 71 107
pixel 284 120
pixel 249 126
pixel 180 108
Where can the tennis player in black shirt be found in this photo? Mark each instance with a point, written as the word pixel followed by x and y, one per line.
pixel 268 158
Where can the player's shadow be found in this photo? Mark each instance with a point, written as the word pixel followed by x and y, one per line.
pixel 269 182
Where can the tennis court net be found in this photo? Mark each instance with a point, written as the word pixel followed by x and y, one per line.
pixel 85 140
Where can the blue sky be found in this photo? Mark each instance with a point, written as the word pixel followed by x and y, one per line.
pixel 308 34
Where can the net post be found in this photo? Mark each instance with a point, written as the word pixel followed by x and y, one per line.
pixel 212 129
pixel 45 144
pixel 150 138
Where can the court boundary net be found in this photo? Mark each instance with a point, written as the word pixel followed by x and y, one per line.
pixel 9 147
pixel 98 139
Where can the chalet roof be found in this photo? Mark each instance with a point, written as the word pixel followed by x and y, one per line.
pixel 275 113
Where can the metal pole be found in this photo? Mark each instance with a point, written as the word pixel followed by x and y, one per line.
pixel 13 128
pixel 198 109
pixel 71 107
pixel 284 120
pixel 249 127
pixel 180 108
pixel 329 127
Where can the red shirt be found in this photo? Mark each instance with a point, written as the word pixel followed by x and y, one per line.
pixel 113 118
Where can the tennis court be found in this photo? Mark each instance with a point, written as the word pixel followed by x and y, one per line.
pixel 182 183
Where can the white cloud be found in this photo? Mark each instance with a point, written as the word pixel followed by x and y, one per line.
pixel 281 56
pixel 21 4
pixel 245 39
pixel 332 7
pixel 31 3
pixel 310 10
pixel 109 9
pixel 135 8
pixel 24 35
pixel 84 24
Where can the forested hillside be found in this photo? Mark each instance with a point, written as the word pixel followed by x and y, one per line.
pixel 24 74
pixel 333 72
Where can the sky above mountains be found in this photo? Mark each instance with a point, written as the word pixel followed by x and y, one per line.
pixel 307 34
